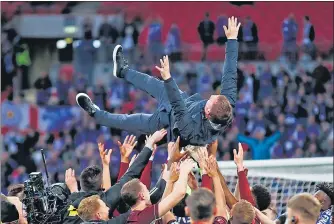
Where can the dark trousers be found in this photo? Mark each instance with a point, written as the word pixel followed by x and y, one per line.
pixel 139 123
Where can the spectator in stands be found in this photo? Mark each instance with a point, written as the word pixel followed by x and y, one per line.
pixel 321 76
pixel 173 43
pixel 108 36
pixel 303 208
pixel 23 62
pixel 308 37
pixel 154 40
pixel 63 85
pixel 325 195
pixel 259 145
pixel 8 65
pixel 87 28
pixel 289 31
pixel 221 22
pixel 43 85
pixel 105 30
pixel 130 35
pixel 250 38
pixel 206 29
pixel 85 59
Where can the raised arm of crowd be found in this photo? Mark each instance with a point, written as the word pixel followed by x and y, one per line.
pixel 130 200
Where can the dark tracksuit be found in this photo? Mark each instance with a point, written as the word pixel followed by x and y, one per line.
pixel 177 112
pixel 112 197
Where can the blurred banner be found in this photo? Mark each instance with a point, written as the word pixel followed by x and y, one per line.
pixel 42 118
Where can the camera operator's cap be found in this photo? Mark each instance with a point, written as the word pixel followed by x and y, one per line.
pixel 9 212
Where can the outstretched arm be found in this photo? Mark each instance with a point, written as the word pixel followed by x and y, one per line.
pixel 179 190
pixel 174 96
pixel 105 159
pixel 245 192
pixel 113 195
pixel 211 169
pixel 229 78
pixel 272 139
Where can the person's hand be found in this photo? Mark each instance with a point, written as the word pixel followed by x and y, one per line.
pixel 192 182
pixel 202 156
pixel 127 147
pixel 239 157
pixel 70 180
pixel 164 70
pixel 104 154
pixel 165 174
pixel 211 167
pixel 156 137
pixel 212 148
pixel 233 28
pixel 174 172
pixel 186 166
pixel 174 154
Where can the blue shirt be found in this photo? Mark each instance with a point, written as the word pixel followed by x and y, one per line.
pixel 325 217
pixel 260 149
pixel 155 32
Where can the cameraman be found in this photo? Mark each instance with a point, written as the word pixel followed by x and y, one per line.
pixel 91 183
pixel 12 210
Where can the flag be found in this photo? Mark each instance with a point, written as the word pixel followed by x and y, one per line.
pixel 42 119
pixel 56 118
pixel 15 115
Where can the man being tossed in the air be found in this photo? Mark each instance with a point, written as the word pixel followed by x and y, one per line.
pixel 196 120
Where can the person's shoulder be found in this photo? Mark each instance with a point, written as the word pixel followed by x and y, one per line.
pixel 219 220
pixel 149 213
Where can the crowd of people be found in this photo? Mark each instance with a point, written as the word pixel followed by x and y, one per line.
pixel 177 197
pixel 293 117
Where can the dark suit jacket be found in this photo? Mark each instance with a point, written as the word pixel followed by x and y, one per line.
pixel 206 35
pixel 312 33
pixel 187 113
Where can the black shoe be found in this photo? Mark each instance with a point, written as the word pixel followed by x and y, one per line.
pixel 120 64
pixel 86 103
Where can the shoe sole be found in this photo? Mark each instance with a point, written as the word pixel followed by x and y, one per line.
pixel 114 54
pixel 81 94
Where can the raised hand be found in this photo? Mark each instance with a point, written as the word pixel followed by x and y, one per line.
pixel 186 166
pixel 127 147
pixel 239 157
pixel 201 156
pixel 164 70
pixel 104 154
pixel 174 172
pixel 192 182
pixel 233 28
pixel 70 180
pixel 212 148
pixel 174 154
pixel 211 167
pixel 156 137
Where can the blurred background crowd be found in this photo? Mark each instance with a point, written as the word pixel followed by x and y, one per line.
pixel 285 78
